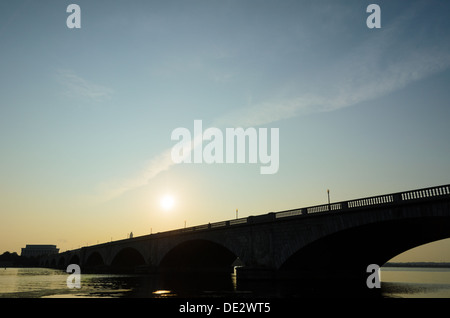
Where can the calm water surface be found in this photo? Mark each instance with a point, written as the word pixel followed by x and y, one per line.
pixel 407 282
pixel 45 283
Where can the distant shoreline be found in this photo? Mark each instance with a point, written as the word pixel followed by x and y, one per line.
pixel 419 264
pixel 4 264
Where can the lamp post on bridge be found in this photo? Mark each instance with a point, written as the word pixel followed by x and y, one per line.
pixel 329 206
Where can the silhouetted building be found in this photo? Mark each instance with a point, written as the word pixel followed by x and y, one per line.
pixel 38 250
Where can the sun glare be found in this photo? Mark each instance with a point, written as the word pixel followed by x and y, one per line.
pixel 167 202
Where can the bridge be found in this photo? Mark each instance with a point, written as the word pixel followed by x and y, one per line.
pixel 331 240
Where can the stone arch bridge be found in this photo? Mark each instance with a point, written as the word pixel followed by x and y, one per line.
pixel 341 238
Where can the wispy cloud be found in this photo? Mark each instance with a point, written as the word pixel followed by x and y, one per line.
pixel 367 72
pixel 160 163
pixel 269 112
pixel 370 70
pixel 77 86
pixel 155 166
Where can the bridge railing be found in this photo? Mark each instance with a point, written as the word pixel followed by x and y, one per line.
pixel 295 212
pixel 432 192
pixel 324 208
pixel 238 221
pixel 426 193
pixel 371 201
pixel 379 200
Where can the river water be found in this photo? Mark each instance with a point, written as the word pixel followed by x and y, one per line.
pixel 409 282
pixel 51 283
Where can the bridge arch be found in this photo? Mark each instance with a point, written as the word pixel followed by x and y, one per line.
pixel 198 255
pixel 127 259
pixel 94 260
pixel 61 262
pixel 74 259
pixel 351 250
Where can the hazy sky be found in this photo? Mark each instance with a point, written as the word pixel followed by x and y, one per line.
pixel 86 115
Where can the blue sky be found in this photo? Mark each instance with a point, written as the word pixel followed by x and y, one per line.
pixel 86 114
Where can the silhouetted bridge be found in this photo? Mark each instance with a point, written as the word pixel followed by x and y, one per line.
pixel 328 240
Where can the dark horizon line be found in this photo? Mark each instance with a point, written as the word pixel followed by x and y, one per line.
pixel 417 264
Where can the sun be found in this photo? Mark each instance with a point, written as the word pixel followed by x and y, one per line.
pixel 167 202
